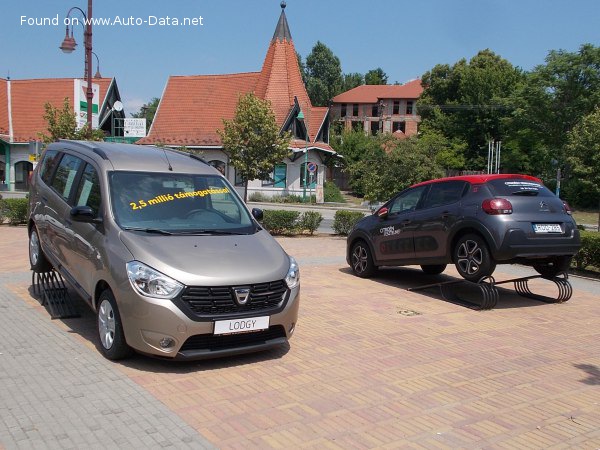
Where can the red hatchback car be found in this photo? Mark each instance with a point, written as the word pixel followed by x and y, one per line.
pixel 474 221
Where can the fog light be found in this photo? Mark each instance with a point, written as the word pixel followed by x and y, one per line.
pixel 166 342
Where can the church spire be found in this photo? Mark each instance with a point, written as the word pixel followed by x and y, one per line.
pixel 282 32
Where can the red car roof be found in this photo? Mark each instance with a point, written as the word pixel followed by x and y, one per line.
pixel 480 179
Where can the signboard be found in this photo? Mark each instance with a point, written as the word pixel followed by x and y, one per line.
pixel 312 167
pixel 134 127
pixel 80 103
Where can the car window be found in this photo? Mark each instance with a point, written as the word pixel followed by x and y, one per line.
pixel 48 164
pixel 444 193
pixel 515 186
pixel 65 175
pixel 88 191
pixel 408 200
pixel 177 202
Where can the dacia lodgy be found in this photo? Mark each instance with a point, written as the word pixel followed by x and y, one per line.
pixel 161 247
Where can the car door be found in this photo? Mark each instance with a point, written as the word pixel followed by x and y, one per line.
pixel 432 222
pixel 393 234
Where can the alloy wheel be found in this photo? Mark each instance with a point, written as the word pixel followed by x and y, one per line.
pixel 106 324
pixel 470 257
pixel 360 259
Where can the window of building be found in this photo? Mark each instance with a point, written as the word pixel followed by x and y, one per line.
pixel 219 165
pixel 375 111
pixel 374 127
pixel 343 111
pixel 312 175
pixel 409 107
pixel 65 175
pixel 355 109
pixel 358 126
pixel 396 107
pixel 277 178
pixel 398 126
pixel 239 181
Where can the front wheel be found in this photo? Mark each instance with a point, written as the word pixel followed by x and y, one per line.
pixel 110 328
pixel 472 258
pixel 553 267
pixel 361 260
pixel 37 259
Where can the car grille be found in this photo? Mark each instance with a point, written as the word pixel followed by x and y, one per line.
pixel 214 301
pixel 223 342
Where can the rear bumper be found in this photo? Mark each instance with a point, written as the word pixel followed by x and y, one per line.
pixel 519 245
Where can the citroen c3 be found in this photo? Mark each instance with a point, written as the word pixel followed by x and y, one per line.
pixel 162 248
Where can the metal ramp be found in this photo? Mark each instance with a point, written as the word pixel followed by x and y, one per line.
pixel 454 290
pixel 52 293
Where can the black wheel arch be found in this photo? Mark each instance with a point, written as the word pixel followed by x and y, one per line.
pixel 470 227
pixel 359 235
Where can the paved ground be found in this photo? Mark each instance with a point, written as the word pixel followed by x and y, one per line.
pixel 371 366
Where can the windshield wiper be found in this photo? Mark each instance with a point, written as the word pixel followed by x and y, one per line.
pixel 149 230
pixel 200 232
pixel 529 193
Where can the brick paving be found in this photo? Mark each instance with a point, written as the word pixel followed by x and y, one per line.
pixel 371 365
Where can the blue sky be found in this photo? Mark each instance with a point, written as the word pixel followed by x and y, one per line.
pixel 405 38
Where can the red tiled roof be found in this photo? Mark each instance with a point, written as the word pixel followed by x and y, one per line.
pixel 28 98
pixel 3 107
pixel 192 108
pixel 372 93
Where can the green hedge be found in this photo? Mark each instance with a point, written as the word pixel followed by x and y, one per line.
pixel 14 209
pixel 344 221
pixel 285 222
pixel 332 193
pixel 589 254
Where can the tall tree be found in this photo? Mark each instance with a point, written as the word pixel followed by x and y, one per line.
pixel 324 75
pixel 352 80
pixel 62 124
pixel 376 76
pixel 147 111
pixel 252 139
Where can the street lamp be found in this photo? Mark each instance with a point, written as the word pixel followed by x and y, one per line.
pixel 68 46
pixel 300 117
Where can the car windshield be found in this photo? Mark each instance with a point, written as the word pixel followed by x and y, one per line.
pixel 516 186
pixel 172 204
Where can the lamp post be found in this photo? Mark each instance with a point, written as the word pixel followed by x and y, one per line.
pixel 300 117
pixel 68 46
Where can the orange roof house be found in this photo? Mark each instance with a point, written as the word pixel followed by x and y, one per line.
pixel 192 108
pixel 379 108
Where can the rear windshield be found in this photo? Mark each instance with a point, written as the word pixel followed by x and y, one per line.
pixel 512 186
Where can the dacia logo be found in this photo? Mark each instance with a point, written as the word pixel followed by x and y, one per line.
pixel 242 295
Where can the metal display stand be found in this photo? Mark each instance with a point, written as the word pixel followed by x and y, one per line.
pixel 50 288
pixel 490 295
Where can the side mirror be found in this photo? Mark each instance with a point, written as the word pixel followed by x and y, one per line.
pixel 84 214
pixel 257 213
pixel 383 213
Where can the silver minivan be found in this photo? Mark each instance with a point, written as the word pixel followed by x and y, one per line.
pixel 162 248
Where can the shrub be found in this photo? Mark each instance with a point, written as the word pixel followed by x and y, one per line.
pixel 16 210
pixel 344 221
pixel 2 211
pixel 280 221
pixel 310 221
pixel 331 193
pixel 257 197
pixel 589 254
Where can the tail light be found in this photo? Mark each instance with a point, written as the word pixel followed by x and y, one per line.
pixel 568 209
pixel 496 206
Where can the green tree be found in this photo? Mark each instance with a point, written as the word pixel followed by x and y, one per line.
pixel 62 124
pixel 583 156
pixel 376 76
pixel 252 139
pixel 352 80
pixel 324 75
pixel 147 111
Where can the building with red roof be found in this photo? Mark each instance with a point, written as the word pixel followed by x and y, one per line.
pixel 22 119
pixel 379 108
pixel 192 109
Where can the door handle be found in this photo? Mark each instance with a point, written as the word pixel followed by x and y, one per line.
pixel 445 214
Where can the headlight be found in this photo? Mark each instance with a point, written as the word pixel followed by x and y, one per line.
pixel 293 276
pixel 150 282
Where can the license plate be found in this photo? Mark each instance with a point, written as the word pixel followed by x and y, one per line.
pixel 241 325
pixel 547 228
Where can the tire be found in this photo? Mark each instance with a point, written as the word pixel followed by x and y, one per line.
pixel 37 259
pixel 472 258
pixel 553 267
pixel 433 269
pixel 110 328
pixel 361 260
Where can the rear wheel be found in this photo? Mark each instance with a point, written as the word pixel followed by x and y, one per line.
pixel 37 259
pixel 433 269
pixel 361 260
pixel 552 268
pixel 472 258
pixel 110 328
